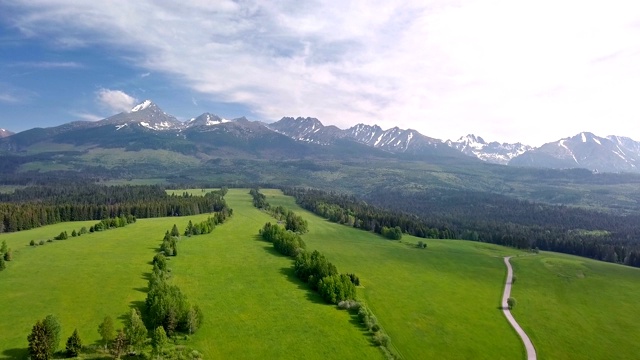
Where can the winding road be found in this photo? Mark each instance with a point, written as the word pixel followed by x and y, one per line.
pixel 531 351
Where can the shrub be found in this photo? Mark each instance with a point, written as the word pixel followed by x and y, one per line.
pixel 74 344
pixel 8 256
pixel 41 242
pixel 32 243
pixel 349 305
pixel 511 302
pixel 422 244
pixel 381 339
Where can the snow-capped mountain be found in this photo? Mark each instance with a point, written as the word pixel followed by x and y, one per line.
pixel 493 152
pixel 5 133
pixel 146 114
pixel 393 140
pixel 206 119
pixel 585 150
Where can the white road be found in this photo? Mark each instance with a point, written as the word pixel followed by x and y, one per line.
pixel 531 351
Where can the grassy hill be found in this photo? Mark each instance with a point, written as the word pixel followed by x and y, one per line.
pixel 439 302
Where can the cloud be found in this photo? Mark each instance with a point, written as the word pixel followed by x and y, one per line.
pixel 48 64
pixel 87 116
pixel 527 71
pixel 8 98
pixel 115 100
pixel 144 75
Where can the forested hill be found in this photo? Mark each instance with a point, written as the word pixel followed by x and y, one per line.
pixel 486 218
pixel 32 207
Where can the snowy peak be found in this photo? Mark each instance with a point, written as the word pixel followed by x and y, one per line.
pixel 493 152
pixel 5 133
pixel 206 119
pixel 585 150
pixel 143 105
pixel 147 115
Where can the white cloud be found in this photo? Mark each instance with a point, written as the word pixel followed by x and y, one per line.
pixel 507 70
pixel 115 100
pixel 8 98
pixel 87 116
pixel 48 64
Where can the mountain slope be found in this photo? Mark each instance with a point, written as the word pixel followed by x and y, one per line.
pixel 5 133
pixel 585 150
pixel 394 140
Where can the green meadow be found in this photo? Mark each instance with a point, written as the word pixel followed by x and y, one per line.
pixel 439 302
pixel 577 308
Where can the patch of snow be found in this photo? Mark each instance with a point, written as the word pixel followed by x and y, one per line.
pixel 118 127
pixel 379 138
pixel 409 137
pixel 561 143
pixel 145 124
pixel 145 104
pixel 597 141
pixel 584 138
pixel 621 157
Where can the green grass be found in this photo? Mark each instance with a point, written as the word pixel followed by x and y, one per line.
pixel 440 302
pixel 577 308
pixel 80 280
pixel 254 307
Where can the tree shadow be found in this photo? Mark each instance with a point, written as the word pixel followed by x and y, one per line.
pixel 311 295
pixel 16 353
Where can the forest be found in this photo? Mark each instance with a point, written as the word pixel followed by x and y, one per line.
pixel 37 206
pixel 490 218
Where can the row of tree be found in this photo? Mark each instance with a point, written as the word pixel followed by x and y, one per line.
pixel 312 268
pixel 5 255
pixel 291 220
pixel 207 226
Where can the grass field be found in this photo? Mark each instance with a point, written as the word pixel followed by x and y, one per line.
pixel 577 308
pixel 440 302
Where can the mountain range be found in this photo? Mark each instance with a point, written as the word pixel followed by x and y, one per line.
pixel 147 126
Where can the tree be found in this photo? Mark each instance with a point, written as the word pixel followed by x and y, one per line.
pixel 39 342
pixel 8 256
pixel 174 231
pixel 3 264
pixel 135 330
pixel 511 302
pixel 52 328
pixel 3 248
pixel 119 344
pixel 194 319
pixel 159 341
pixel 107 330
pixel 74 344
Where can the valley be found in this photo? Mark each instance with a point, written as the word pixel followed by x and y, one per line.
pixel 444 299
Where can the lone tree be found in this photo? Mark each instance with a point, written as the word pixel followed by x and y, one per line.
pixel 511 302
pixel 74 344
pixel 38 342
pixel 107 330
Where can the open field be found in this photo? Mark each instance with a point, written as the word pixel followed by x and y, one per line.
pixel 442 301
pixel 577 308
pixel 254 307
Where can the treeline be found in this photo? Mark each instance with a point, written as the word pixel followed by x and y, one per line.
pixel 522 224
pixel 348 210
pixel 207 226
pixel 291 220
pixel 38 206
pixel 312 268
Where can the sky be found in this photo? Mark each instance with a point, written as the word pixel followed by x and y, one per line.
pixel 509 71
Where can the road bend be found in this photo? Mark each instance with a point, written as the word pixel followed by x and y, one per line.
pixel 531 351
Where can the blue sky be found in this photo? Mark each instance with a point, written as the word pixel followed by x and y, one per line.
pixel 530 71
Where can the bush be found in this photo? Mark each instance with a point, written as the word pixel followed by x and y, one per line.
pixel 8 256
pixel 381 339
pixel 41 242
pixel 511 302
pixel 349 305
pixel 74 344
pixel 422 245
